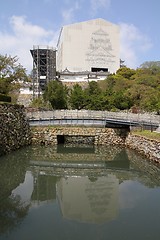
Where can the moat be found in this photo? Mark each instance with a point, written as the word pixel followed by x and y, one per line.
pixel 85 192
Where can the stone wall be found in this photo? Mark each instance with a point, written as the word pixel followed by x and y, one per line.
pixel 102 136
pixel 149 148
pixel 14 128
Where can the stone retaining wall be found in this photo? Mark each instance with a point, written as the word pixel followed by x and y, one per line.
pixel 102 136
pixel 14 128
pixel 149 148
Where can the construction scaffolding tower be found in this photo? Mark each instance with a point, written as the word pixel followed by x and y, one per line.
pixel 44 67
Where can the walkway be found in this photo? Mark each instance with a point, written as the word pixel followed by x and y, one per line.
pixel 92 118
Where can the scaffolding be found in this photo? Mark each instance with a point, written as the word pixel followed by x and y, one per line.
pixel 44 68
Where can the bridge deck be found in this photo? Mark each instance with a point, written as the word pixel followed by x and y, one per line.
pixel 92 118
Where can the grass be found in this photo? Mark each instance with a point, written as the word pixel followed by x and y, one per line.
pixel 148 134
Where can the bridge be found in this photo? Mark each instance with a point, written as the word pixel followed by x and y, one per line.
pixel 93 118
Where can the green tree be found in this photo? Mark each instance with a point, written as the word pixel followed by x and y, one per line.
pixel 77 97
pixel 126 72
pixel 56 94
pixel 121 101
pixel 10 71
pixel 93 96
pixel 116 87
pixel 151 100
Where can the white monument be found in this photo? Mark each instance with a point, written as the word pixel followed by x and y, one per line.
pixel 91 46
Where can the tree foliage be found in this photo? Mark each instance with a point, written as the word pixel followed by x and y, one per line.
pixel 125 72
pixel 93 95
pixel 56 94
pixel 77 97
pixel 127 89
pixel 10 71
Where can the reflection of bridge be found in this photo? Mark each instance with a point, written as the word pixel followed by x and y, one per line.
pixel 95 118
pixel 73 165
pixel 82 165
pixel 84 160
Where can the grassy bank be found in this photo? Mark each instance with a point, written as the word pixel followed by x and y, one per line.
pixel 148 134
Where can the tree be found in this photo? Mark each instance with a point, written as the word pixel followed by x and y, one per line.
pixel 10 71
pixel 126 72
pixel 77 97
pixel 121 101
pixel 151 100
pixel 93 96
pixel 56 94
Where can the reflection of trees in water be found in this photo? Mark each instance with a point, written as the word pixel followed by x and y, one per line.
pixel 12 172
pixel 12 212
pixel 93 179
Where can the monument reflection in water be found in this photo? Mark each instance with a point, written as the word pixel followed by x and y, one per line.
pixel 45 190
pixel 89 200
pixel 92 198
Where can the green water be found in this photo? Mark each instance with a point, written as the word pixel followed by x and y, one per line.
pixel 100 193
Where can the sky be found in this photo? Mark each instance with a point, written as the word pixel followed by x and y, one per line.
pixel 24 23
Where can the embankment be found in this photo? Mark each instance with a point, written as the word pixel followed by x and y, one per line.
pixel 97 136
pixel 14 128
pixel 148 147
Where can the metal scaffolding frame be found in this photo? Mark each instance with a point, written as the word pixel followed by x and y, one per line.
pixel 44 67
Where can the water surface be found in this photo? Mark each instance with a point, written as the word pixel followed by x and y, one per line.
pixel 78 193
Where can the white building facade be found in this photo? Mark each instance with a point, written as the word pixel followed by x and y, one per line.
pixel 92 46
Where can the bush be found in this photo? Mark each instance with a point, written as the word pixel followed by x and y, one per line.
pixel 5 98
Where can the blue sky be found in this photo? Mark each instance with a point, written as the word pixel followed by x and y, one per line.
pixel 24 23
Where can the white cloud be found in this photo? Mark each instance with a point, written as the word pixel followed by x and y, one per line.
pixel 96 5
pixel 133 43
pixel 24 35
pixel 21 27
pixel 68 14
